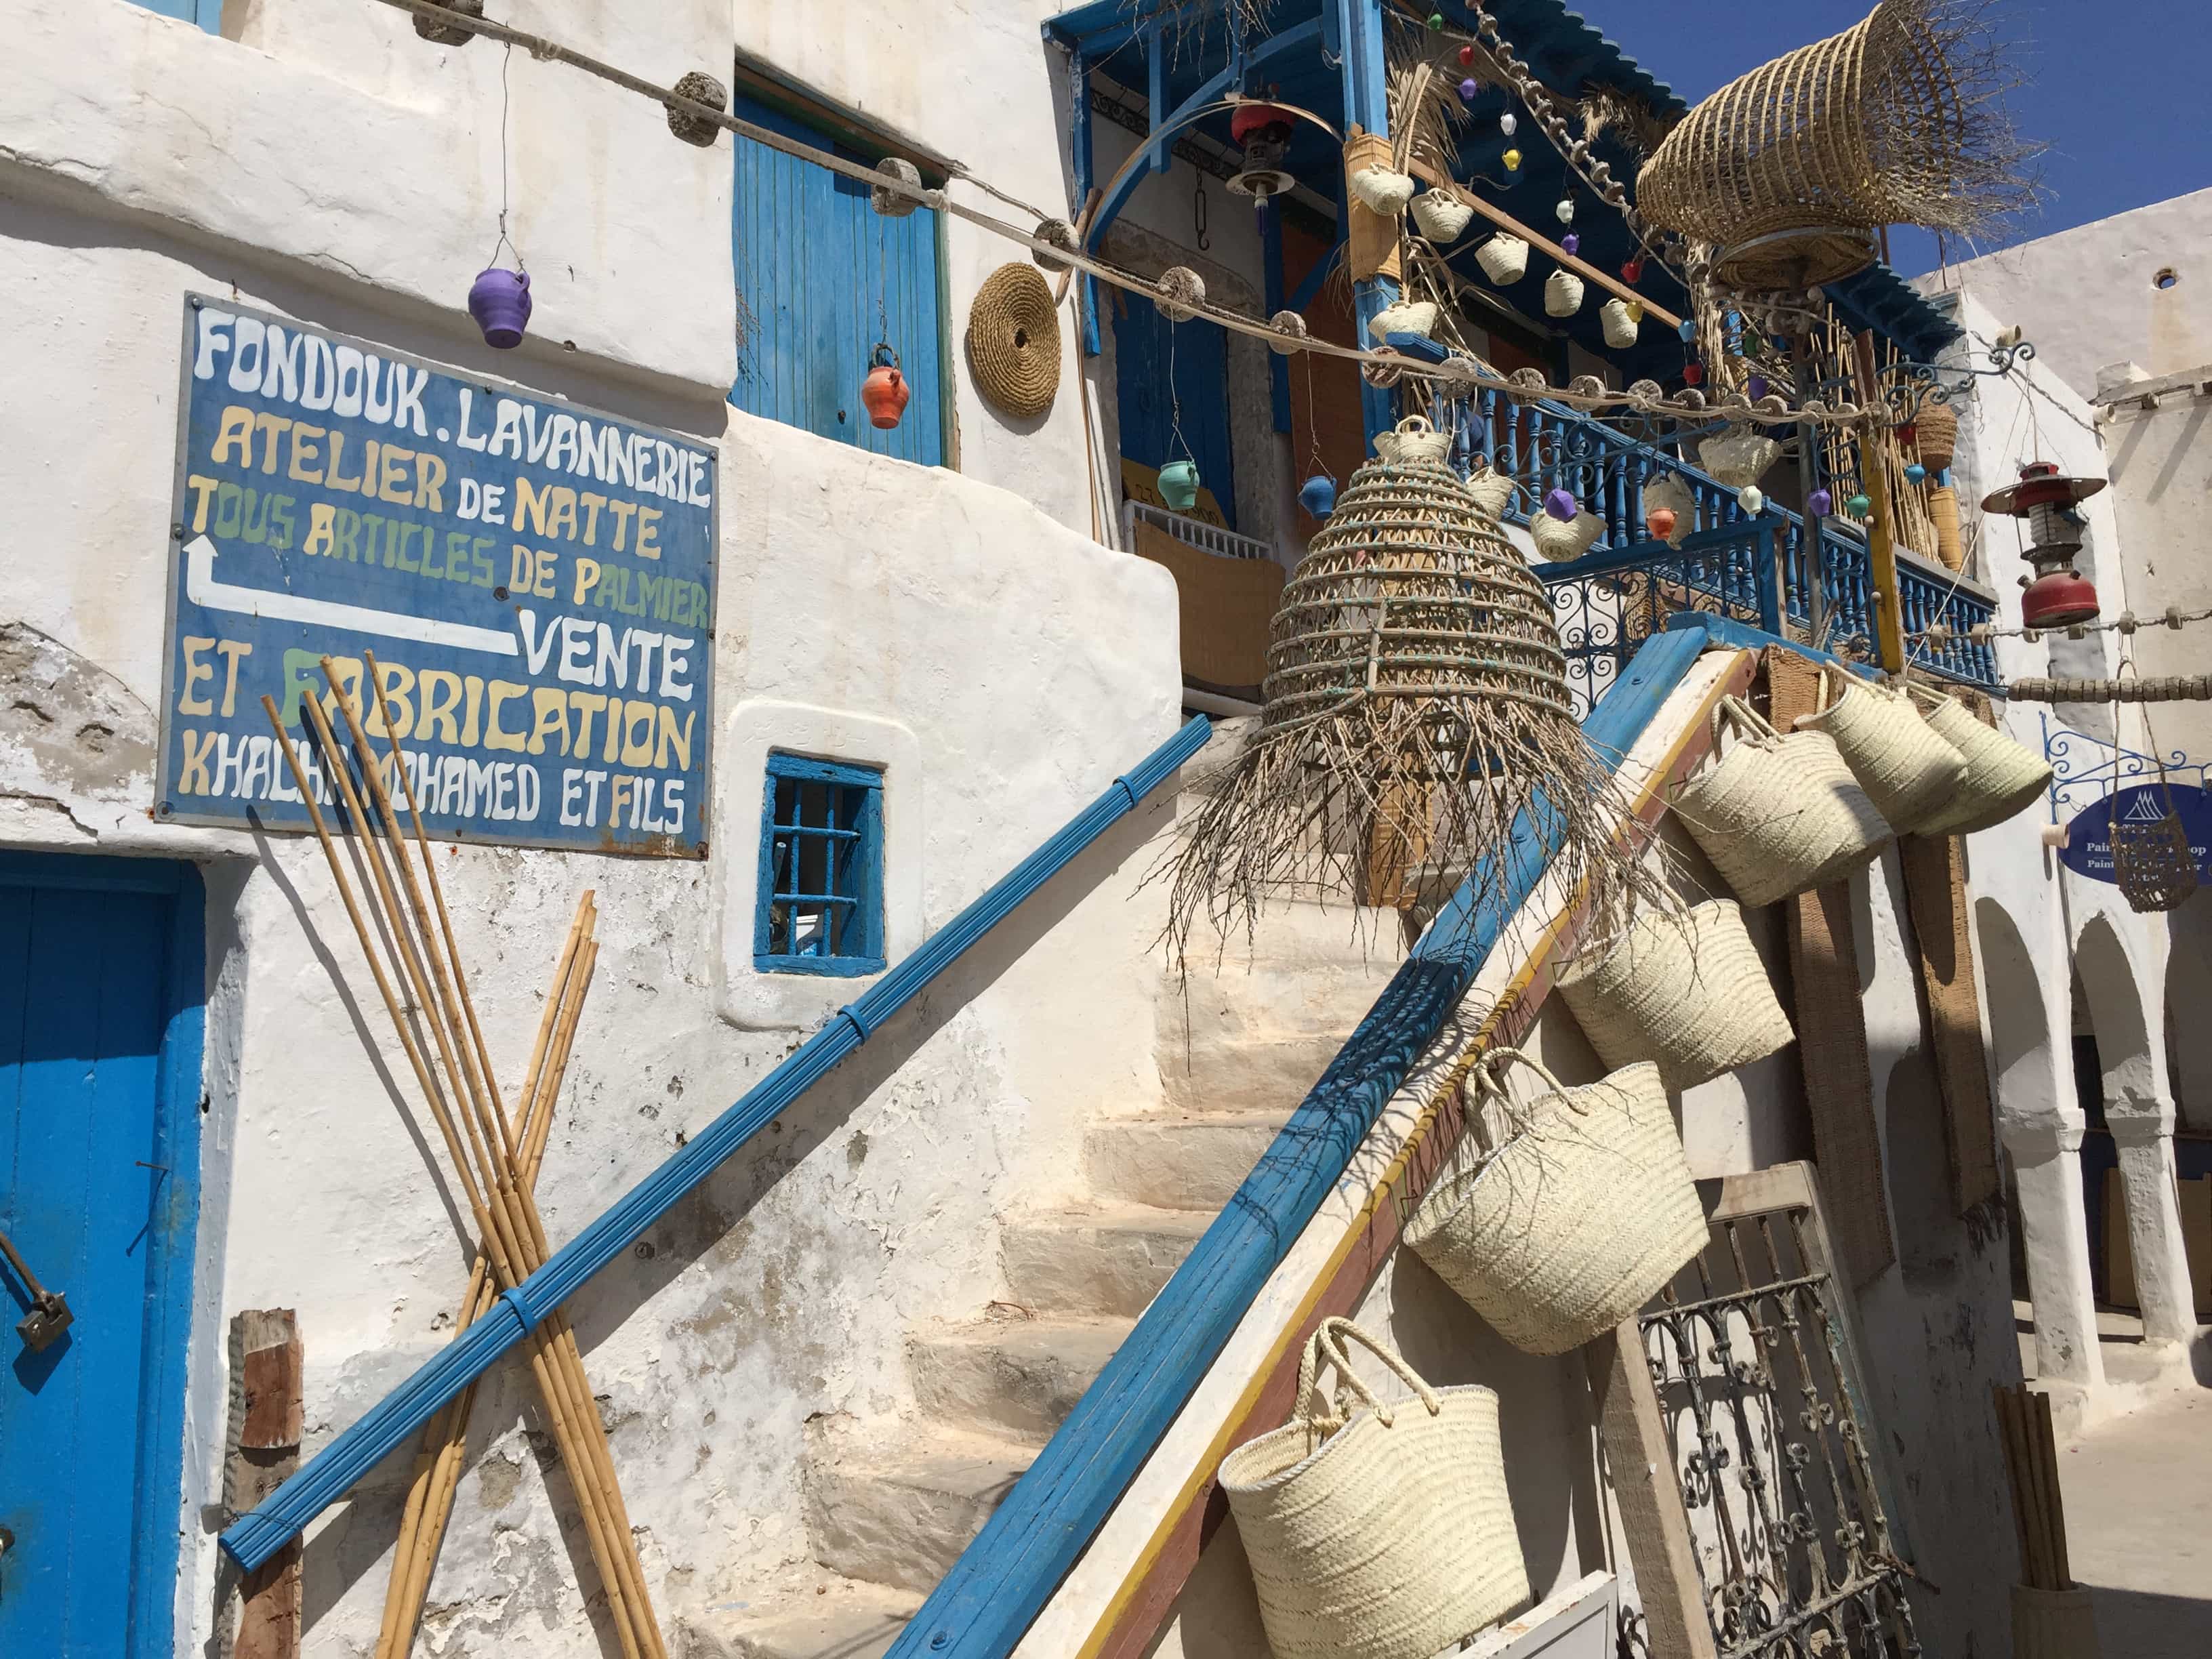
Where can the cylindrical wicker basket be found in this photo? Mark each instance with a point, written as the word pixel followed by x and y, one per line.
pixel 1907 767
pixel 1387 1534
pixel 1779 815
pixel 1687 992
pixel 1577 1219
pixel 1935 429
pixel 1943 510
pixel 2002 777
pixel 1789 169
pixel 1619 324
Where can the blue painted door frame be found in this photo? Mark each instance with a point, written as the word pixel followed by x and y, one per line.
pixel 102 978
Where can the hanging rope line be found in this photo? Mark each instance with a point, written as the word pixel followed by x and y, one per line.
pixel 1645 396
pixel 2125 623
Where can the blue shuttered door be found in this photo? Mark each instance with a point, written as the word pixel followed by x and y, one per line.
pixel 813 261
pixel 1168 375
pixel 87 1482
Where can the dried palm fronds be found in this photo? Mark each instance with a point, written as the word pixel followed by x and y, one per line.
pixel 1791 168
pixel 1417 708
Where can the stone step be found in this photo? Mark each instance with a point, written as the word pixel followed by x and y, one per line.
pixel 1324 931
pixel 896 1507
pixel 1104 1259
pixel 1182 1161
pixel 836 1619
pixel 1019 1377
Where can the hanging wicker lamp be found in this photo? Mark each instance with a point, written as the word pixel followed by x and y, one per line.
pixel 1789 171
pixel 1417 704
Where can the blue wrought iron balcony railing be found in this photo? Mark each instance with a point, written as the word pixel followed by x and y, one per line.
pixel 1754 569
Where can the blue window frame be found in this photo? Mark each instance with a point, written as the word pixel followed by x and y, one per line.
pixel 208 14
pixel 823 280
pixel 819 908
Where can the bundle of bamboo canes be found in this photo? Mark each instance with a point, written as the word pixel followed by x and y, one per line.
pixel 2032 1463
pixel 494 1162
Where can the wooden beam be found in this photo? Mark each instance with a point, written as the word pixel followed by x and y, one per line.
pixel 1881 544
pixel 267 1363
pixel 1505 222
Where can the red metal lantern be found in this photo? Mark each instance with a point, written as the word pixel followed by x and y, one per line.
pixel 1263 132
pixel 884 392
pixel 2060 596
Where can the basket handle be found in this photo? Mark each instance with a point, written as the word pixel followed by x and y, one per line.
pixel 1493 1081
pixel 1330 1338
pixel 1735 711
pixel 1414 426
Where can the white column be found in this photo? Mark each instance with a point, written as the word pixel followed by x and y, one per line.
pixel 2055 1233
pixel 2144 1135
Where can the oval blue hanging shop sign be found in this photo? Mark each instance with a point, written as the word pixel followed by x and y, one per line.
pixel 535 579
pixel 2089 849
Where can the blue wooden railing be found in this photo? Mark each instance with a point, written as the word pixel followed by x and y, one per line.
pixel 1753 569
pixel 394 1420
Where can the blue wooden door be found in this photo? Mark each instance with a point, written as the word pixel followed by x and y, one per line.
pixel 822 279
pixel 99 981
pixel 1172 389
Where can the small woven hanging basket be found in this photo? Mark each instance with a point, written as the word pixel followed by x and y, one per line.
pixel 1417 704
pixel 1580 1217
pixel 2154 866
pixel 1936 439
pixel 1788 170
pixel 1778 815
pixel 1686 993
pixel 1013 342
pixel 1907 767
pixel 2002 777
pixel 1380 1533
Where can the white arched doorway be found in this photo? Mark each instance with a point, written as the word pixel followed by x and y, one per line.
pixel 2139 1111
pixel 2041 1124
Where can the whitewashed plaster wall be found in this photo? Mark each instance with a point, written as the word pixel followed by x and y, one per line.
pixel 343 170
pixel 2088 297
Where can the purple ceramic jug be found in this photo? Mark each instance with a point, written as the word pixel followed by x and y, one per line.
pixel 499 301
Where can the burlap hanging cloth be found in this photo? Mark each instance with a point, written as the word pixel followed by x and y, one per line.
pixel 1935 888
pixel 1832 1041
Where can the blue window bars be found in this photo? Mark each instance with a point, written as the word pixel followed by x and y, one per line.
pixel 819 908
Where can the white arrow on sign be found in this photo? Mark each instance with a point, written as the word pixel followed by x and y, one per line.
pixel 204 591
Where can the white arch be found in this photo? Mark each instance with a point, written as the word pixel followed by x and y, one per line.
pixel 2041 1122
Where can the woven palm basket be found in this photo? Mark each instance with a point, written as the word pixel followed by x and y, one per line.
pixel 1417 705
pixel 1789 170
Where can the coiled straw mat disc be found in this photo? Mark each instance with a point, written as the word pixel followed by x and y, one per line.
pixel 1013 341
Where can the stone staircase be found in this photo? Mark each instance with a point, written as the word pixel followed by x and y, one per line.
pixel 891 1505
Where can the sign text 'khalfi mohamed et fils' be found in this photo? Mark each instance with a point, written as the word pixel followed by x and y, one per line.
pixel 535 580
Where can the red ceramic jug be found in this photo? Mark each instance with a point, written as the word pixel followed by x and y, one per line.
pixel 885 390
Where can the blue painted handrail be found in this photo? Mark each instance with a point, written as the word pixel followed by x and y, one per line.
pixel 997 1588
pixel 259 1535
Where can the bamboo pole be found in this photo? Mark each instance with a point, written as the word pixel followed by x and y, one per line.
pixel 538 1345
pixel 439 1465
pixel 1882 526
pixel 530 1246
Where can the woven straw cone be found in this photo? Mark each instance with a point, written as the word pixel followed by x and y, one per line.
pixel 2001 776
pixel 1907 767
pixel 1577 1221
pixel 1866 128
pixel 1013 341
pixel 1779 816
pixel 1458 612
pixel 1936 427
pixel 1392 1537
pixel 1689 994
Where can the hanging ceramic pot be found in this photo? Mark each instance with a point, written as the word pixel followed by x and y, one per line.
pixel 1318 495
pixel 885 390
pixel 1440 215
pixel 1504 258
pixel 1563 293
pixel 499 301
pixel 1179 485
pixel 1668 495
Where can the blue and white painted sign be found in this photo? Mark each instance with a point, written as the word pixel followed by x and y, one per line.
pixel 536 581
pixel 2089 849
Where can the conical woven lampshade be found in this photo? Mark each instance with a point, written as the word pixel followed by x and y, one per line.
pixel 1417 702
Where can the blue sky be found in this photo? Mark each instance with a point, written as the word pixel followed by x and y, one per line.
pixel 2121 90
